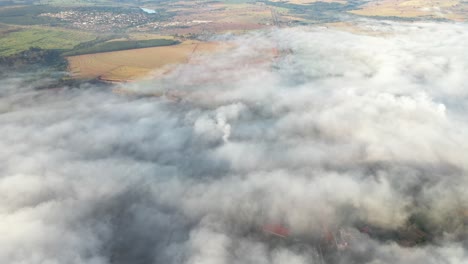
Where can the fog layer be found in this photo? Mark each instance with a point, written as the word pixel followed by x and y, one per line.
pixel 312 128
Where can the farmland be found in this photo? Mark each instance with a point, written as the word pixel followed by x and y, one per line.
pixel 122 45
pixel 135 63
pixel 98 37
pixel 446 9
pixel 212 18
pixel 21 39
pixel 306 2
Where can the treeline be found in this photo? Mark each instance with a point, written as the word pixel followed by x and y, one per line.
pixel 91 47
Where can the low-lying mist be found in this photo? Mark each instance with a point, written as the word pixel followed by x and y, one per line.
pixel 315 129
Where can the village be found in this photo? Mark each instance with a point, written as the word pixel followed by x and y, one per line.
pixel 102 21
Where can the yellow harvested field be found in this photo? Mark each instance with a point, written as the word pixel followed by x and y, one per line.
pixel 412 8
pixel 133 64
pixel 124 73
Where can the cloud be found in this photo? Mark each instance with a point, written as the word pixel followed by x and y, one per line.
pixel 317 129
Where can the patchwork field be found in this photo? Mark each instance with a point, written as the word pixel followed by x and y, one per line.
pixel 133 64
pixel 448 9
pixel 46 26
pixel 305 2
pixel 216 17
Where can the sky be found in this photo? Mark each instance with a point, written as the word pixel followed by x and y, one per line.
pixel 312 128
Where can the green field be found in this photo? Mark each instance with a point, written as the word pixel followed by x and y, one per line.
pixel 70 42
pixel 45 38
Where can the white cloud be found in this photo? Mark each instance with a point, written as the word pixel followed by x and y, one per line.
pixel 340 128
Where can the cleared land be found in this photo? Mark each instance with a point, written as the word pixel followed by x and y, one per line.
pixel 215 17
pixel 448 9
pixel 128 65
pixel 306 2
